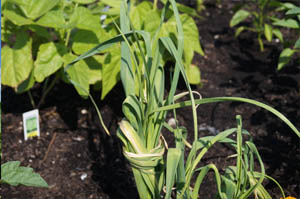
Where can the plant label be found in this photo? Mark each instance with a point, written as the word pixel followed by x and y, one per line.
pixel 31 124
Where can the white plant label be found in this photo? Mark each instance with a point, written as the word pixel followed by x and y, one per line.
pixel 31 124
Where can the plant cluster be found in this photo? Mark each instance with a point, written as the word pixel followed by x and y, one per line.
pixel 158 169
pixel 41 37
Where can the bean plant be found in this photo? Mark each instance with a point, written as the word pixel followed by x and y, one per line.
pixel 41 37
pixel 159 170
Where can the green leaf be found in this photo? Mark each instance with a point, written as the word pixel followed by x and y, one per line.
pixel 238 17
pixel 95 68
pixel 139 13
pixel 17 62
pixel 239 30
pixel 288 23
pixel 193 74
pixel 33 9
pixel 53 19
pixel 190 30
pixel 27 84
pixel 83 18
pixel 79 75
pixel 12 173
pixel 84 1
pixel 173 158
pixel 278 34
pixel 293 11
pixel 15 15
pixel 110 72
pixel 49 60
pixel 297 44
pixel 268 32
pixel 285 57
pixel 85 40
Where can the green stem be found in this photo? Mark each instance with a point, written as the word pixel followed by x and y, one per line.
pixel 48 90
pixel 155 5
pixel 31 99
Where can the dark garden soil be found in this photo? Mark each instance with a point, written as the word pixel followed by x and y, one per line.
pixel 78 160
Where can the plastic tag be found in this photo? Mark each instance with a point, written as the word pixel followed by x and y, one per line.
pixel 31 124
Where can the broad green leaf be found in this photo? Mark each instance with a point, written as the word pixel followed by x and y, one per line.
pixel 285 57
pixel 83 18
pixel 85 40
pixel 33 9
pixel 17 62
pixel 95 68
pixel 110 71
pixel 139 13
pixel 238 17
pixel 193 74
pixel 239 30
pixel 297 44
pixel 288 23
pixel 41 31
pixel 84 1
pixel 190 30
pixel 278 34
pixel 79 75
pixel 12 173
pixel 268 32
pixel 53 19
pixel 15 15
pixel 27 84
pixel 49 60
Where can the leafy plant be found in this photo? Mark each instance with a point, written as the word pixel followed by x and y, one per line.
pixel 145 109
pixel 14 174
pixel 292 21
pixel 260 14
pixel 40 40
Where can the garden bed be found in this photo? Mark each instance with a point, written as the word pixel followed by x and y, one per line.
pixel 78 160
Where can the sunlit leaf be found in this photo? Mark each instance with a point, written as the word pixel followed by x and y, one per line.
pixel 49 60
pixel 17 61
pixel 79 75
pixel 238 17
pixel 36 8
pixel 285 57
pixel 268 32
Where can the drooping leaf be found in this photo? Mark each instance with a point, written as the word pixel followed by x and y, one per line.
pixel 268 32
pixel 17 62
pixel 49 60
pixel 12 173
pixel 285 57
pixel 79 75
pixel 33 9
pixel 238 17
